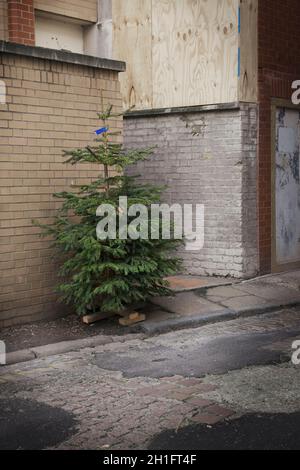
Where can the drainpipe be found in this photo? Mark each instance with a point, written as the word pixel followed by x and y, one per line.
pixel 98 37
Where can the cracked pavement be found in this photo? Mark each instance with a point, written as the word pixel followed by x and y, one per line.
pixel 136 393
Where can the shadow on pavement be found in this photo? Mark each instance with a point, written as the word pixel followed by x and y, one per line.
pixel 29 425
pixel 250 432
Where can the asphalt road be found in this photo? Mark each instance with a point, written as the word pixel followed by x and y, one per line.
pixel 200 358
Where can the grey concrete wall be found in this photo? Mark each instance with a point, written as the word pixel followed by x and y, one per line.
pixel 207 158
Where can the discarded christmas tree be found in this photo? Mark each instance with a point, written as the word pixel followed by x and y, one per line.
pixel 113 273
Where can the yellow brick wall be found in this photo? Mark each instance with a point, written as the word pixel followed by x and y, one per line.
pixel 51 106
pixel 3 20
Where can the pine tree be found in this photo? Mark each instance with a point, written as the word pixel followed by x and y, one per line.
pixel 113 274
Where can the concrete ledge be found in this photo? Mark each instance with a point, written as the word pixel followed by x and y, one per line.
pixel 68 346
pixel 191 321
pixel 194 321
pixel 62 56
pixel 234 106
pixel 269 308
pixel 25 355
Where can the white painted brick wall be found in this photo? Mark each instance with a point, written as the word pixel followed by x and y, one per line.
pixel 217 168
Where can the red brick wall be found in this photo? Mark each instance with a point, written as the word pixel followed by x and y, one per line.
pixel 21 22
pixel 279 66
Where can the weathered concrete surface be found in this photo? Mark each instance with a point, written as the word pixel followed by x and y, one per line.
pixel 187 303
pixel 112 411
pixel 211 304
pixel 251 388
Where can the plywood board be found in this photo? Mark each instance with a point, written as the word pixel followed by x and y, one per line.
pixel 3 21
pixel 248 45
pixel 181 52
pixel 132 44
pixel 85 10
pixel 195 52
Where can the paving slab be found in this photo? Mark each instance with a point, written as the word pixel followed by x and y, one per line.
pixel 187 303
pixel 218 294
pixel 225 291
pixel 211 304
pixel 241 303
pixel 293 278
pixel 186 283
pixel 184 310
pixel 290 279
pixel 269 292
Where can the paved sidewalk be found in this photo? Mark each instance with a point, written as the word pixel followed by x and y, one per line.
pixel 200 301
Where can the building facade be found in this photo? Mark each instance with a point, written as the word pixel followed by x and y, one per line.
pixel 211 85
pixel 193 85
